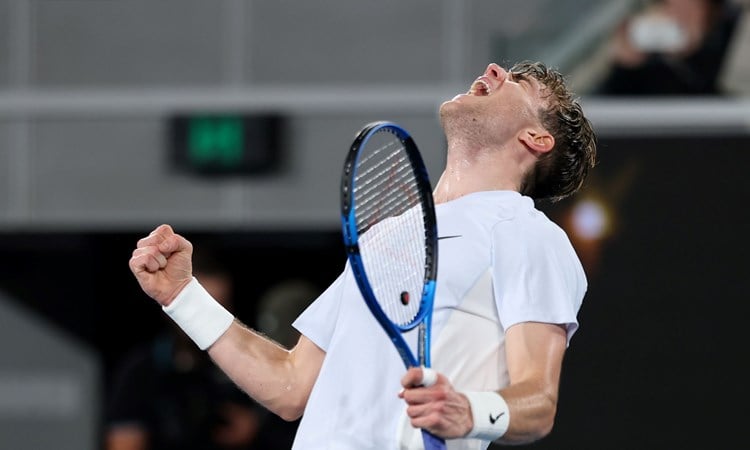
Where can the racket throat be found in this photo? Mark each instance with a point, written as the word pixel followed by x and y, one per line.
pixel 423 353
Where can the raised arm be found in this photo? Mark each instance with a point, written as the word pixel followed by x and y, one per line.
pixel 278 378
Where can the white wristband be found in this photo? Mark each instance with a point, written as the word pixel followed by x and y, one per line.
pixel 201 317
pixel 490 413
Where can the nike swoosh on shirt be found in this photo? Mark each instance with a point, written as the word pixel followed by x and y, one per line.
pixel 449 237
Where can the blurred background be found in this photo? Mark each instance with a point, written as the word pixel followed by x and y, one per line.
pixel 230 120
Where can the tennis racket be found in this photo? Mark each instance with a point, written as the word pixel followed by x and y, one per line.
pixel 390 237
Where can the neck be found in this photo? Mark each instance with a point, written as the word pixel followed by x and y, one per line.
pixel 479 170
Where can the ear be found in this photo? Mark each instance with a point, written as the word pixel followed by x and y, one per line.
pixel 537 140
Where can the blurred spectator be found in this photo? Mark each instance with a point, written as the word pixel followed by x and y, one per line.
pixel 674 47
pixel 170 395
pixel 280 304
pixel 735 76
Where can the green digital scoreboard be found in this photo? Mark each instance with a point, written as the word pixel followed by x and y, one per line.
pixel 226 144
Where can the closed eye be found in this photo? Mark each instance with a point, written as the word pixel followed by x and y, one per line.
pixel 521 80
pixel 525 82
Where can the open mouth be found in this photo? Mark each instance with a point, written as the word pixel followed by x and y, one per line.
pixel 480 88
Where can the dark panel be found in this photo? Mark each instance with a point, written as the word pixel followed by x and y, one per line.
pixel 657 357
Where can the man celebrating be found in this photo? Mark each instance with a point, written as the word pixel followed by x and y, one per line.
pixel 505 308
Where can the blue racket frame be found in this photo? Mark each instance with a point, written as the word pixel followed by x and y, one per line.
pixel 351 237
pixel 423 318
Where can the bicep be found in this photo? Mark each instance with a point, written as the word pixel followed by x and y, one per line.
pixel 278 378
pixel 307 359
pixel 534 352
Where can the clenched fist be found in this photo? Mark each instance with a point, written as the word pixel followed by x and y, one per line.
pixel 162 264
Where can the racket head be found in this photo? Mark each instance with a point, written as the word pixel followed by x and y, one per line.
pixel 389 226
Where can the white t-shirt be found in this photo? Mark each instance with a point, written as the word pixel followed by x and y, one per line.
pixel 501 262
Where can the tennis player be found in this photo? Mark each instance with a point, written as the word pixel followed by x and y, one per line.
pixel 510 286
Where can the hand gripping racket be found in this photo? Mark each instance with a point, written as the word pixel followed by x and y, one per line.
pixel 390 236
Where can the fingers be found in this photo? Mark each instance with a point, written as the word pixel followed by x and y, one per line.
pixel 419 376
pixel 415 383
pixel 424 400
pixel 422 416
pixel 438 408
pixel 161 262
pixel 153 251
pixel 148 259
pixel 165 240
pixel 156 235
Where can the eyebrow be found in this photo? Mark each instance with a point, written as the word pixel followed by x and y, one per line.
pixel 520 77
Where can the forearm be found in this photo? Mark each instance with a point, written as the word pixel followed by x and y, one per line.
pixel 534 354
pixel 532 413
pixel 518 414
pixel 275 377
pixel 263 369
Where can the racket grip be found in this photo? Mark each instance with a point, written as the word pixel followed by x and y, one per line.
pixel 429 376
pixel 432 442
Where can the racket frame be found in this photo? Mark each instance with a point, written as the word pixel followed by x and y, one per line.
pixel 351 236
pixel 423 318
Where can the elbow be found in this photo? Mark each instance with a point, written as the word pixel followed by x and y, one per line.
pixel 535 425
pixel 290 416
pixel 545 428
pixel 546 420
pixel 291 412
pixel 542 428
pixel 291 406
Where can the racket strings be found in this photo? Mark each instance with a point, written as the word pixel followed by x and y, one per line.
pixel 404 257
pixel 375 176
pixel 388 208
pixel 394 255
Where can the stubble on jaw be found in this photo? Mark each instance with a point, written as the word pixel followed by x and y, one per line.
pixel 459 120
pixel 467 127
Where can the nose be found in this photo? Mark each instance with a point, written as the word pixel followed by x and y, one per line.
pixel 496 72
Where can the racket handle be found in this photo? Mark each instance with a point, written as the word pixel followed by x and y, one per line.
pixel 432 442
pixel 429 376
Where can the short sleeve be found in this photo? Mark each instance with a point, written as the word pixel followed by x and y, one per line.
pixel 537 275
pixel 318 321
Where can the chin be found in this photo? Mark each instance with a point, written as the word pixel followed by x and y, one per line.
pixel 444 114
pixel 459 98
pixel 449 107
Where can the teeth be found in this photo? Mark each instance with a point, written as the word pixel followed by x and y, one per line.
pixel 480 88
